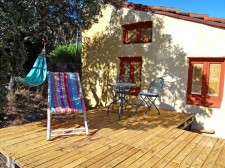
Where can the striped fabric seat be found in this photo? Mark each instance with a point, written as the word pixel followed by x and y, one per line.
pixel 65 94
pixel 65 97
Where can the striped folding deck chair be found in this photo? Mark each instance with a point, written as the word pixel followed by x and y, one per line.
pixel 65 97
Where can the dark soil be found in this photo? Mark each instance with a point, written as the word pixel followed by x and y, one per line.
pixel 24 106
pixel 21 118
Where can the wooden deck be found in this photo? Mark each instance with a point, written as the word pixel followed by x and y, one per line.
pixel 135 141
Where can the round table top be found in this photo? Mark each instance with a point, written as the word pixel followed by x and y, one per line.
pixel 122 84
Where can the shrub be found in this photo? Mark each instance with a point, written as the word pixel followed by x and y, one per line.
pixel 4 77
pixel 67 53
pixel 64 58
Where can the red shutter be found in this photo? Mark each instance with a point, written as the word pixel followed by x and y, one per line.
pixel 133 61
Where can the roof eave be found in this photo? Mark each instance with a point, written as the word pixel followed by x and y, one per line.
pixel 188 18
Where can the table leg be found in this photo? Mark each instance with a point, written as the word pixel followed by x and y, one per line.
pixel 121 105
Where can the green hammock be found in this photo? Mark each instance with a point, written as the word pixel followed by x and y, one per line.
pixel 37 74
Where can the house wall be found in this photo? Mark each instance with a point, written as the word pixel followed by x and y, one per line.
pixel 167 55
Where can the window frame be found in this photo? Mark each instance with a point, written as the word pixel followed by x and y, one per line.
pixel 132 60
pixel 138 29
pixel 204 99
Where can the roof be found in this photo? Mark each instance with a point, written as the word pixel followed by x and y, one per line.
pixel 175 13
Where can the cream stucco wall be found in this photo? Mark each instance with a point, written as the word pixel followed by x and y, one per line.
pixel 198 40
pixel 173 42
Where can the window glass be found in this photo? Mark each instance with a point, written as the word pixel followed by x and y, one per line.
pixel 137 73
pixel 127 68
pixel 140 32
pixel 131 66
pixel 146 34
pixel 197 79
pixel 214 79
pixel 206 81
pixel 132 36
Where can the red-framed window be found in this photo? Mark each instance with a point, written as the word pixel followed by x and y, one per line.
pixel 140 32
pixel 205 81
pixel 132 67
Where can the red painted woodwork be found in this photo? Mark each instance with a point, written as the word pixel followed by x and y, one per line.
pixel 137 28
pixel 132 61
pixel 204 99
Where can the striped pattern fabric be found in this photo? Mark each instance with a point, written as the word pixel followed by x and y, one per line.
pixel 65 93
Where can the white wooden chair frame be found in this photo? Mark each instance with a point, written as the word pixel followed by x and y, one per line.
pixel 69 131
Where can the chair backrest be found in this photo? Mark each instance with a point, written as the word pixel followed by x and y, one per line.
pixel 156 86
pixel 123 79
pixel 65 93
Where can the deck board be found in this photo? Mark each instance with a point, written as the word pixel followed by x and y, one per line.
pixel 220 162
pixel 199 161
pixel 195 152
pixel 95 149
pixel 214 154
pixel 135 141
pixel 185 151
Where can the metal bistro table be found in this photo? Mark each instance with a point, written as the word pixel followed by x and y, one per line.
pixel 121 89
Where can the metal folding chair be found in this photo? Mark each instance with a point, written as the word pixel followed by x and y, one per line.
pixel 152 94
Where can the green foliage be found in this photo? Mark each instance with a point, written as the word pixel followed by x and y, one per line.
pixel 66 58
pixel 24 24
pixel 67 53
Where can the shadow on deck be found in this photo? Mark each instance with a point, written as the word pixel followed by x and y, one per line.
pixel 134 141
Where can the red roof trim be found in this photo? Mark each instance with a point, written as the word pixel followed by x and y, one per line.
pixel 192 19
pixel 175 13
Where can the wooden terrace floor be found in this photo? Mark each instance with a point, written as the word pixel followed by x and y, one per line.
pixel 135 141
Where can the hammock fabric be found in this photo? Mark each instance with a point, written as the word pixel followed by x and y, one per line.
pixel 37 74
pixel 65 93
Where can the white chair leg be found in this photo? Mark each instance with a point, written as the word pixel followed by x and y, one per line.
pixel 48 124
pixel 10 163
pixel 86 124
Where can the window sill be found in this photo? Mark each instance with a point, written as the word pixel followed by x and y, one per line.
pixel 138 42
pixel 211 104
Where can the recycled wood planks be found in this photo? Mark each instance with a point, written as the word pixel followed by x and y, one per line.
pixel 135 141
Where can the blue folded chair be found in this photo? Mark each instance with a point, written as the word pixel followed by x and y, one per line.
pixel 152 94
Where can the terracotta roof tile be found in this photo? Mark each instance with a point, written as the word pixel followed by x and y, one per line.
pixel 174 12
pixel 200 16
pixel 215 19
pixel 158 8
pixel 183 13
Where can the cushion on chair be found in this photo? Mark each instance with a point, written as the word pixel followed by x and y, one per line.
pixel 60 110
pixel 148 94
